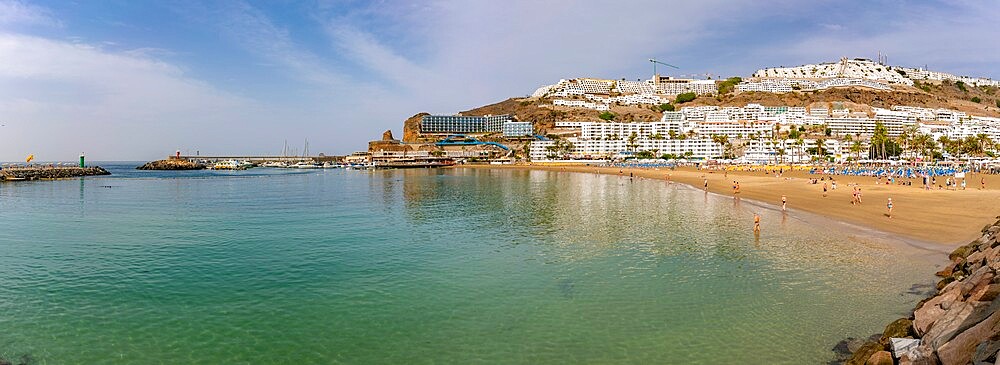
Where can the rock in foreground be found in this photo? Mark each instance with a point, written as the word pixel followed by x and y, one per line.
pixel 961 323
pixel 171 164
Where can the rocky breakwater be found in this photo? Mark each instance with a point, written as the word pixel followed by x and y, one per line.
pixel 958 325
pixel 40 173
pixel 172 164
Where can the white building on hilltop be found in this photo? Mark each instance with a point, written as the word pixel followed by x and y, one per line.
pixel 858 68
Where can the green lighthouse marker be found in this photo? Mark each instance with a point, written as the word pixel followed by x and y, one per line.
pixel 81 159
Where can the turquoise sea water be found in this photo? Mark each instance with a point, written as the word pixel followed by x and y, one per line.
pixel 460 266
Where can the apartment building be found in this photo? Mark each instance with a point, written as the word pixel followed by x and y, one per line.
pixel 672 86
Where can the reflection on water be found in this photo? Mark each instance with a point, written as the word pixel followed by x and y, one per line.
pixel 421 266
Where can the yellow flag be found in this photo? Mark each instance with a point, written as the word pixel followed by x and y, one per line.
pixel 30 157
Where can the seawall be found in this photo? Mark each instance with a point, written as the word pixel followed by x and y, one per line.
pixel 45 173
pixel 960 324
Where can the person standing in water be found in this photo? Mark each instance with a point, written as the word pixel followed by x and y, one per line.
pixel 706 184
pixel 784 201
pixel 889 206
pixel 756 223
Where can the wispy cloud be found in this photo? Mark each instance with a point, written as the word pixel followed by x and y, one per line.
pixel 59 97
pixel 256 33
pixel 13 12
pixel 344 70
pixel 958 38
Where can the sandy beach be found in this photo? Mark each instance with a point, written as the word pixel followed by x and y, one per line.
pixel 944 217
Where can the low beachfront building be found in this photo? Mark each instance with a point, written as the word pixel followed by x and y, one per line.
pixel 584 148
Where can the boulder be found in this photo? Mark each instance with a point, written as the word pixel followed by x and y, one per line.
pixel 986 293
pixel 944 282
pixel 957 319
pixel 982 276
pixel 960 349
pixel 986 351
pixel 929 313
pixel 387 135
pixel 962 251
pixel 903 346
pixel 948 270
pixel 880 358
pixel 922 355
pixel 899 328
pixel 866 351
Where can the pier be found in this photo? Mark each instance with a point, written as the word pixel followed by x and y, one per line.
pixel 258 159
pixel 19 173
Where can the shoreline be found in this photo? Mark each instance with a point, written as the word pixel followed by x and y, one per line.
pixel 936 220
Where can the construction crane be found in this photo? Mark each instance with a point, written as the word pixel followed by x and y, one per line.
pixel 654 62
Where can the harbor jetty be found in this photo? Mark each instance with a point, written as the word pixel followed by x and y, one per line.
pixel 959 324
pixel 18 173
pixel 172 164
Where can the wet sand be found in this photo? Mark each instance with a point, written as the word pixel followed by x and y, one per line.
pixel 942 217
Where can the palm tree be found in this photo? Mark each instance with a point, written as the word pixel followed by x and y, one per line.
pixel 985 142
pixel 946 145
pixel 919 142
pixel 631 141
pixel 856 148
pixel 801 144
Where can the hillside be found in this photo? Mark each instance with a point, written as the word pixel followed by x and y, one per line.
pixel 945 94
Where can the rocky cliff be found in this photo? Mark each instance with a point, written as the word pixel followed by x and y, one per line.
pixel 960 324
pixel 171 164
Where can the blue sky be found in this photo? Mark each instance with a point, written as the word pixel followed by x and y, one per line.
pixel 135 80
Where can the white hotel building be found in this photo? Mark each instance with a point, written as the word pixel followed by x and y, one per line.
pixel 604 140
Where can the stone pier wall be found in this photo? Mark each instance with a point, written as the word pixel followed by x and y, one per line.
pixel 39 173
pixel 960 324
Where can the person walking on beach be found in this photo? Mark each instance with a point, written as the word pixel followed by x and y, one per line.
pixel 889 205
pixel 784 201
pixel 756 223
pixel 963 184
pixel 737 187
pixel 859 196
pixel 982 183
pixel 824 190
pixel 706 184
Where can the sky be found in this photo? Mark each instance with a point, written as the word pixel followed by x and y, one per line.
pixel 136 80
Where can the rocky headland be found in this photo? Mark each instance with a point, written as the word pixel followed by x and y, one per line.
pixel 171 164
pixel 46 173
pixel 960 324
